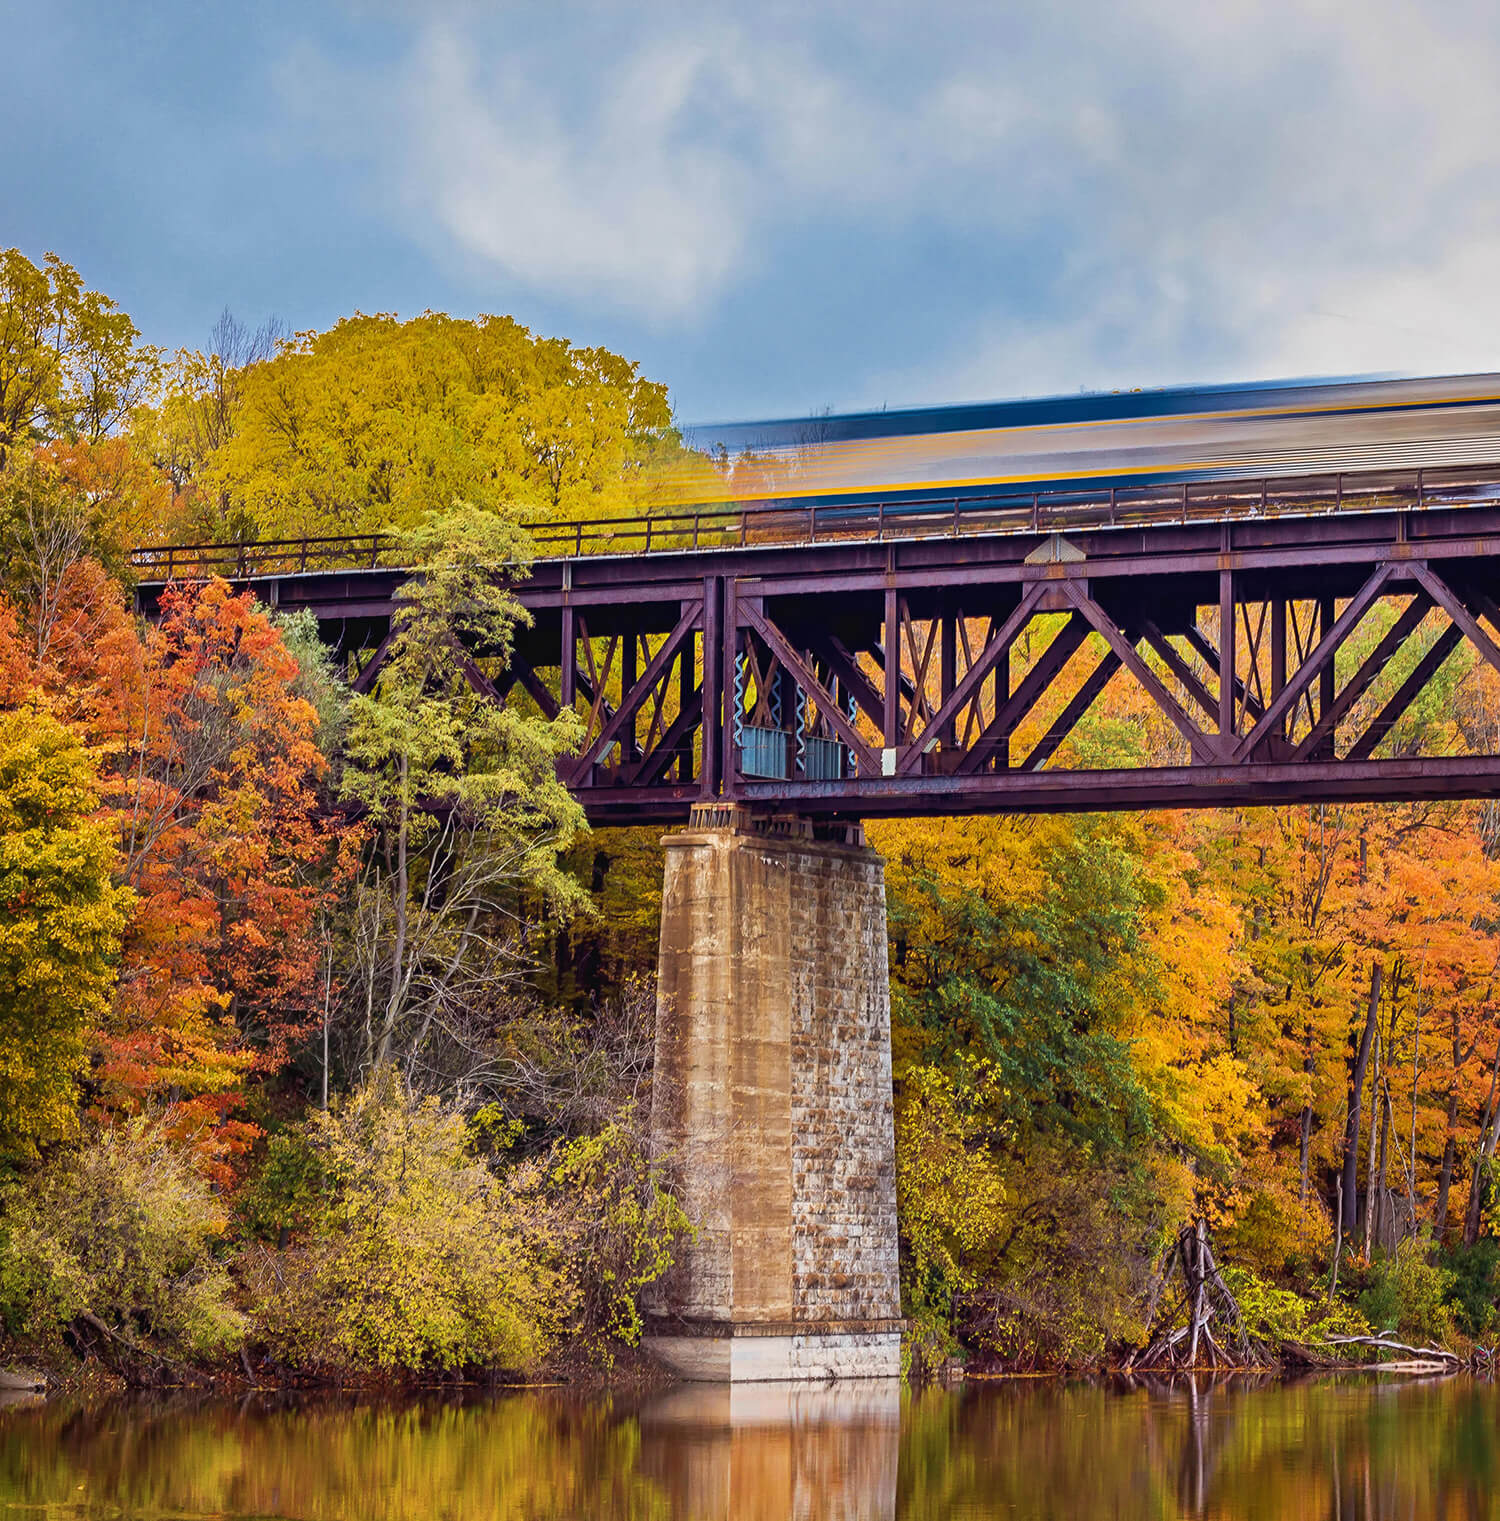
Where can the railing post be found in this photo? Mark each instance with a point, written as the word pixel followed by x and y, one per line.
pixel 697 515
pixel 578 545
pixel 1036 513
pixel 955 517
pixel 1421 493
pixel 648 536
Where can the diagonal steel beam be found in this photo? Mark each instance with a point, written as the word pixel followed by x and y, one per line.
pixel 1205 746
pixel 841 661
pixel 1068 720
pixel 1438 589
pixel 630 701
pixel 366 678
pixel 1174 661
pixel 527 678
pixel 1204 646
pixel 1027 694
pixel 779 646
pixel 989 657
pixel 1395 636
pixel 1323 651
pixel 664 751
pixel 1406 694
pixel 478 683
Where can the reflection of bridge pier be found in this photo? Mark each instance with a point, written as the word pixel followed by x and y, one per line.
pixel 773 1096
pixel 776 1451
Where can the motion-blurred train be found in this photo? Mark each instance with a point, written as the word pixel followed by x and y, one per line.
pixel 1119 439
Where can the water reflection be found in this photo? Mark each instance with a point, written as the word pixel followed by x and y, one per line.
pixel 765 1452
pixel 1258 1451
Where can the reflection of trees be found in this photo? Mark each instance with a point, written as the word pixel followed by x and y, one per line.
pixel 523 1455
pixel 1229 1448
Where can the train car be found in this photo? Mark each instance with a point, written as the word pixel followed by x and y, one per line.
pixel 1108 440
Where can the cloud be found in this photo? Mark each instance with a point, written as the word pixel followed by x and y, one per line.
pixel 1077 194
pixel 622 207
pixel 643 182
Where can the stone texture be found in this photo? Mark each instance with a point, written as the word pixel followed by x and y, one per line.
pixel 773 1101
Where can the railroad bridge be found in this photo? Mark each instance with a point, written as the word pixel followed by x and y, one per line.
pixel 771 676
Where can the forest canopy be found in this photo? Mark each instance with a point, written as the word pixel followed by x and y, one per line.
pixel 314 1000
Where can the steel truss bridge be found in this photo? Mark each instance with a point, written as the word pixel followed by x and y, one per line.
pixel 938 657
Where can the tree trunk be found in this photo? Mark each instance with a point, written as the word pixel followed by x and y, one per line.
pixel 1450 1144
pixel 1445 1176
pixel 401 888
pixel 1489 1132
pixel 1305 1138
pixel 1379 1191
pixel 1370 1163
pixel 1350 1213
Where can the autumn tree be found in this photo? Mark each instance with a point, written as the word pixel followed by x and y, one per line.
pixel 212 782
pixel 72 365
pixel 466 811
pixel 377 422
pixel 61 918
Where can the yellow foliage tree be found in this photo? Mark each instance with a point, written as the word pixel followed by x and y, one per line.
pixel 60 924
pixel 378 422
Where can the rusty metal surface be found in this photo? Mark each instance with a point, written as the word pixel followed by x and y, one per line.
pixel 953 672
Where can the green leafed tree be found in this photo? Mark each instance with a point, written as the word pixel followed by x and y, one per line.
pixel 466 811
pixel 72 365
pixel 61 918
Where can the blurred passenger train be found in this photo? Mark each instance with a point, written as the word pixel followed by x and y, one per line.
pixel 1119 439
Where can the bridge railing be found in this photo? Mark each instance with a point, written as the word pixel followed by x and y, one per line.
pixel 734 525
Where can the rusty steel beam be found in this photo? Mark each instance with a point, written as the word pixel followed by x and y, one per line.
pixel 885 623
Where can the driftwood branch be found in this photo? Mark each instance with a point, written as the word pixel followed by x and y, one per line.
pixel 1384 1344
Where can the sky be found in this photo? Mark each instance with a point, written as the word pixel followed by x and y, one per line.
pixel 780 209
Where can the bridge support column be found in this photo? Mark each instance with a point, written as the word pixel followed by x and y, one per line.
pixel 773 1102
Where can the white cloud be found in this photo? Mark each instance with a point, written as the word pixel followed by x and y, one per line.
pixel 1167 189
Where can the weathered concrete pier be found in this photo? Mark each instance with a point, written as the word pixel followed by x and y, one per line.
pixel 773 1099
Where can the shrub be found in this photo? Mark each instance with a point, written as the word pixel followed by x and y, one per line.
pixel 121 1232
pixel 419 1257
pixel 1269 1313
pixel 1408 1295
pixel 286 1192
pixel 619 1226
pixel 1473 1288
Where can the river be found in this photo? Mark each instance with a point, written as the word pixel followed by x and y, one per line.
pixel 1355 1447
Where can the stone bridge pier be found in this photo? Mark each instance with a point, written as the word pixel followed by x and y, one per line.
pixel 773 1102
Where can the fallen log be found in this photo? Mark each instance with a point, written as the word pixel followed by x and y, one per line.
pixel 1383 1344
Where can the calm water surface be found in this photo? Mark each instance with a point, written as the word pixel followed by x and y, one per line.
pixel 1357 1448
